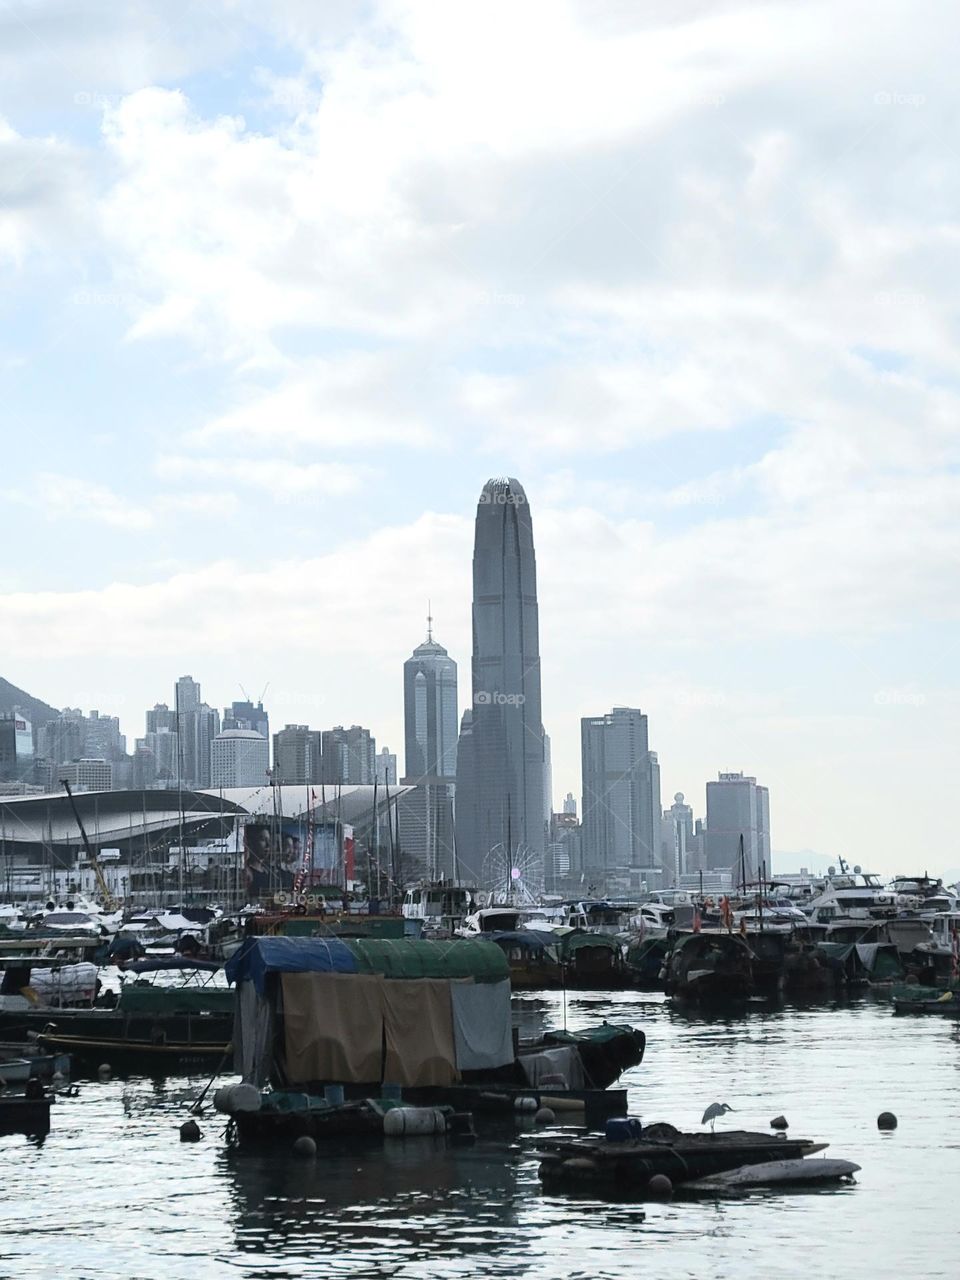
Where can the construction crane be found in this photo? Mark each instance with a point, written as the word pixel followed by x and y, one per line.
pixel 109 901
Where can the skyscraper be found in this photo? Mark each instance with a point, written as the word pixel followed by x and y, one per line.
pixel 500 764
pixel 430 711
pixel 348 756
pixel 296 754
pixel 621 799
pixel 737 806
pixel 197 726
pixel 239 758
pixel 430 756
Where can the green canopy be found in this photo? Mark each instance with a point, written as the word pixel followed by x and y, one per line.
pixel 411 958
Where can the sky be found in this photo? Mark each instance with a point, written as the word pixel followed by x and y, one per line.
pixel 284 284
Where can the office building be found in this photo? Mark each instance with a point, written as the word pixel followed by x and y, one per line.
pixel 500 805
pixel 239 758
pixel 621 802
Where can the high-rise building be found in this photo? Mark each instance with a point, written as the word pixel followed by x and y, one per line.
pixel 16 747
pixel 500 761
pixel 430 755
pixel 681 839
pixel 386 762
pixel 296 755
pixel 564 862
pixel 570 804
pixel 74 736
pixel 239 758
pixel 246 715
pixel 737 806
pixel 430 712
pixel 348 756
pixel 621 801
pixel 197 725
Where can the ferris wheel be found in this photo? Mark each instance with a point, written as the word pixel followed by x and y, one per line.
pixel 516 879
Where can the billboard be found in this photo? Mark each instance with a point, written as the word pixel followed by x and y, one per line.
pixel 294 856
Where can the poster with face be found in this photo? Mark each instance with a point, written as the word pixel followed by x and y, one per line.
pixel 272 857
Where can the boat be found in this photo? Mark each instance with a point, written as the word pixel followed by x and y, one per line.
pixel 430 1019
pixel 152 1026
pixel 532 957
pixel 708 967
pixel 14 1071
pixel 911 999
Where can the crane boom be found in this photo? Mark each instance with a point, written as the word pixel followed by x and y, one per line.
pixel 109 901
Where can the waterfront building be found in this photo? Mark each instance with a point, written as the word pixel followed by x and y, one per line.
pixel 621 811
pixel 500 807
pixel 87 775
pixel 737 806
pixel 239 758
pixel 296 755
pixel 347 756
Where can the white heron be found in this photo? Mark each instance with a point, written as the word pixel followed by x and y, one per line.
pixel 714 1110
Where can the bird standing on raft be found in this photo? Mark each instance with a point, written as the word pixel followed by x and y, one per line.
pixel 714 1110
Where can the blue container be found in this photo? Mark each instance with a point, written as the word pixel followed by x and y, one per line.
pixel 394 1092
pixel 333 1093
pixel 623 1129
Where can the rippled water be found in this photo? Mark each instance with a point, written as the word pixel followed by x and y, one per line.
pixel 113 1193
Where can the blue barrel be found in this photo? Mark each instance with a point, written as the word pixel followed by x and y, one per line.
pixel 623 1129
pixel 333 1093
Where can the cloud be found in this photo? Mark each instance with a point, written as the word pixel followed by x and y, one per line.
pixel 279 478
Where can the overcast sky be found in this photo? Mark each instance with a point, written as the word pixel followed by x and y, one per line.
pixel 285 283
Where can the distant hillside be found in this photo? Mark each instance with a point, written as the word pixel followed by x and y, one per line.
pixel 14 699
pixel 818 864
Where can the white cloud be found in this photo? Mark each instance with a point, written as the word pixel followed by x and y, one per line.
pixel 281 479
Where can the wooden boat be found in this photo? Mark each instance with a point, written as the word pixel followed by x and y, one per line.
pixel 594 1164
pixel 710 967
pixel 122 1053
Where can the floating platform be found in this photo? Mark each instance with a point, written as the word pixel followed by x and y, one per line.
pixel 20 1114
pixel 596 1164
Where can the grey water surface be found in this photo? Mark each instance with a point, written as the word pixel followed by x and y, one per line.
pixel 111 1192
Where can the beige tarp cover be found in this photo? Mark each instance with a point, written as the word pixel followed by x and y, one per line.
pixel 419 1024
pixel 333 1026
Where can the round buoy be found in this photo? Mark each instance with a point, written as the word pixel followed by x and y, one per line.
pixel 545 1116
pixel 190 1131
pixel 104 1071
pixel 58 1080
pixel 886 1120
pixel 524 1103
pixel 779 1122
pixel 305 1147
pixel 660 1185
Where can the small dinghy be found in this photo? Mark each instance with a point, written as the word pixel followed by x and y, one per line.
pixel 15 1071
pixel 777 1173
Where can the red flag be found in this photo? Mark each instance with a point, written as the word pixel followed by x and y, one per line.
pixel 348 854
pixel 696 920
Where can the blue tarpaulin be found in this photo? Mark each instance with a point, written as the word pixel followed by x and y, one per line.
pixel 260 956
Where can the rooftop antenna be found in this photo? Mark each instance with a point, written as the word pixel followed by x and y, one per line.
pixel 429 623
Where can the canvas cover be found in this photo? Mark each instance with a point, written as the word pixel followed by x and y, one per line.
pixel 333 1027
pixel 482 1027
pixel 418 1024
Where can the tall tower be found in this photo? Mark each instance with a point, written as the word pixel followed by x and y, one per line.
pixel 430 711
pixel 500 775
pixel 430 757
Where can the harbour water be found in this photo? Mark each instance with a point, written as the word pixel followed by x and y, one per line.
pixel 111 1192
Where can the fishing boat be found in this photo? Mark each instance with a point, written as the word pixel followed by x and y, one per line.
pixel 27 1112
pixel 708 967
pixel 173 1027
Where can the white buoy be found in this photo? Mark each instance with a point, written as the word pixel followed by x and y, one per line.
pixel 525 1103
pixel 104 1071
pixel 414 1122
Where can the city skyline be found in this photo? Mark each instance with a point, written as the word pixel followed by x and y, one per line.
pixel 271 319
